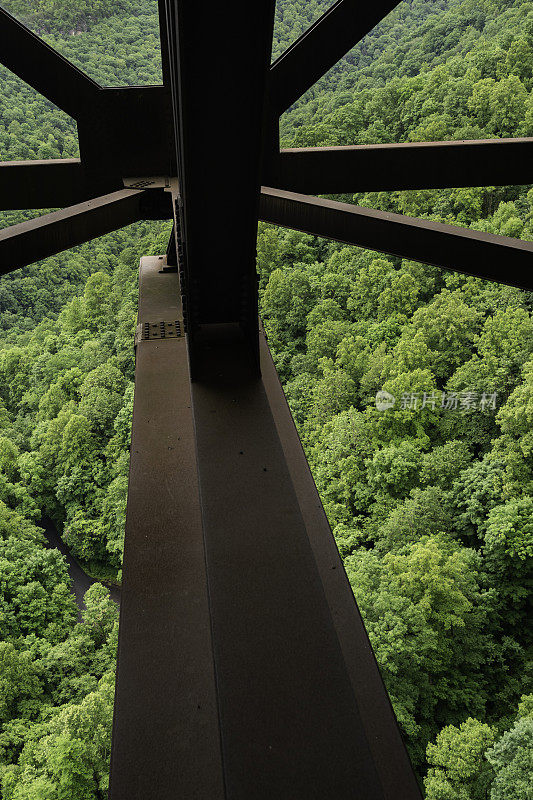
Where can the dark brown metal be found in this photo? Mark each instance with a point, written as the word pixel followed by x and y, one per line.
pixel 320 47
pixel 219 231
pixel 495 258
pixel 51 233
pixel 300 697
pixel 163 329
pixel 244 669
pixel 127 131
pixel 44 68
pixel 324 170
pixel 384 740
pixel 166 732
pixel 416 165
pixel 54 183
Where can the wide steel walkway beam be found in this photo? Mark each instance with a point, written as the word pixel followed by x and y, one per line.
pixel 244 669
pixel 166 740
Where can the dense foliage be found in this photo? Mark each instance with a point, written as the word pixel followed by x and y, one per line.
pixel 430 500
pixel 65 17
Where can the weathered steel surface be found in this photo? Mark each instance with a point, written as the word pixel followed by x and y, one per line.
pixel 497 258
pixel 49 234
pixel 127 131
pixel 219 62
pixel 414 165
pixel 165 736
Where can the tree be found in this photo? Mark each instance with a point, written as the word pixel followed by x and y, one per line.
pixel 370 282
pixel 70 759
pixel 458 768
pixel 20 688
pixel 512 760
pixel 425 512
pixel 323 339
pixel 424 612
pixel 394 469
pixel 508 105
pixel 509 560
pixel 449 326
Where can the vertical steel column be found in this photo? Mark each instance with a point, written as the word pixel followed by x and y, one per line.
pixel 219 57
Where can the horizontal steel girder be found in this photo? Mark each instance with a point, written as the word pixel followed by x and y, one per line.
pixel 320 47
pixel 53 183
pixel 496 258
pixel 318 170
pixel 392 167
pixel 49 234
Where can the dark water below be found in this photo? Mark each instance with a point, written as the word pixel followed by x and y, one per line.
pixel 80 580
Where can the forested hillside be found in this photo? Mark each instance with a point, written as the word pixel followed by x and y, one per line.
pixel 430 499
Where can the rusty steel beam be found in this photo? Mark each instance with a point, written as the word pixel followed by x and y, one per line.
pixel 390 167
pixel 43 68
pixel 494 258
pixel 49 234
pixel 320 47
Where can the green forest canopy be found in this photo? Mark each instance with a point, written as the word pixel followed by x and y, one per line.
pixel 431 506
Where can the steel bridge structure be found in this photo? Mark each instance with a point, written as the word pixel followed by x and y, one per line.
pixel 244 669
